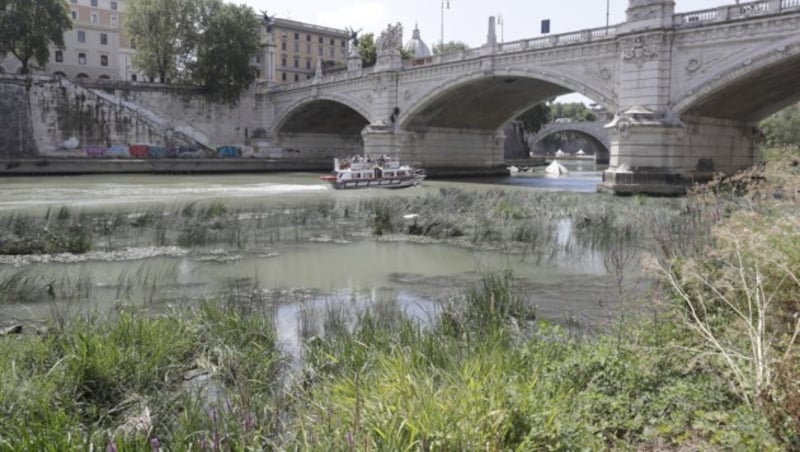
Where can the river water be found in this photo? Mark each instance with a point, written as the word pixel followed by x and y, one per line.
pixel 304 277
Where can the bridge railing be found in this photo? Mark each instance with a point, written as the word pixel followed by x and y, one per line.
pixel 730 12
pixel 583 36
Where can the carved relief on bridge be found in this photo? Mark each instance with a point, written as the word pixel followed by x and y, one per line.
pixel 641 49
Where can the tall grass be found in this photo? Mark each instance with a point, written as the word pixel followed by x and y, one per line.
pixel 739 297
pixel 392 385
pixel 83 384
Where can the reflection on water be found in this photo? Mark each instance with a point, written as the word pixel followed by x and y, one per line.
pixel 420 272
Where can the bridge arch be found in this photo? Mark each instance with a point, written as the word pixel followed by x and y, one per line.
pixel 756 84
pixel 489 101
pixel 595 132
pixel 322 127
pixel 329 113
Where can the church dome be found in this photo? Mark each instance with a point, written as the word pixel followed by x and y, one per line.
pixel 416 47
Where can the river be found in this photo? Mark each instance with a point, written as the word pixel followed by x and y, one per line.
pixel 311 276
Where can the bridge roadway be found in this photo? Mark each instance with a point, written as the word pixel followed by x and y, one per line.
pixel 687 90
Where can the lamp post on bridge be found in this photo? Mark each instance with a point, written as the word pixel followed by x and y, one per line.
pixel 501 25
pixel 608 12
pixel 441 41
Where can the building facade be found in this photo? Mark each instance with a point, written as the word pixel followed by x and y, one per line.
pixel 96 47
pixel 296 48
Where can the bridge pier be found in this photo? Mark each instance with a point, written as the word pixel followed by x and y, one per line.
pixel 664 157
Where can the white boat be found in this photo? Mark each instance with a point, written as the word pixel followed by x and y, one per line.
pixel 361 172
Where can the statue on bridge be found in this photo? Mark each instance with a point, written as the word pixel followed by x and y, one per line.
pixel 354 35
pixel 267 20
pixel 391 39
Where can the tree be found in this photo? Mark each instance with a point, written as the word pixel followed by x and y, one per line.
pixel 161 31
pixel 449 47
pixel 535 118
pixel 28 27
pixel 783 128
pixel 225 44
pixel 367 49
pixel 205 42
pixel 576 111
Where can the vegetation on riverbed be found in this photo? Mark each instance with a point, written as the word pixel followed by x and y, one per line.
pixel 715 364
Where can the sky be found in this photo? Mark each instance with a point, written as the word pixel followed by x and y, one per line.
pixel 465 20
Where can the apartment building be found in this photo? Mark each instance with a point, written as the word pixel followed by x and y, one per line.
pixel 96 47
pixel 298 46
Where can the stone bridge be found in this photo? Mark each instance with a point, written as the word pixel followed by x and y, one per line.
pixel 687 91
pixel 594 130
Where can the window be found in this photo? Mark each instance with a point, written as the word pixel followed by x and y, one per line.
pixel 283 62
pixel 94 18
pixel 344 43
pixel 114 21
pixel 296 77
pixel 81 58
pixel 114 6
pixel 283 45
pixel 59 56
pixel 332 42
pixel 283 76
pixel 308 64
pixel 296 62
pixel 320 51
pixel 332 52
pixel 94 3
pixel 74 15
pixel 308 48
pixel 133 77
pixel 296 47
pixel 81 36
pixel 258 58
pixel 103 60
pixel 308 38
pixel 321 40
pixel 297 36
pixel 103 39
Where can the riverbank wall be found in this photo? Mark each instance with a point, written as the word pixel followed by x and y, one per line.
pixel 58 167
pixel 46 117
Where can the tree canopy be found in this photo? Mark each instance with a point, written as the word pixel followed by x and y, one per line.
pixel 224 46
pixel 28 27
pixel 367 49
pixel 576 111
pixel 449 47
pixel 161 32
pixel 206 42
